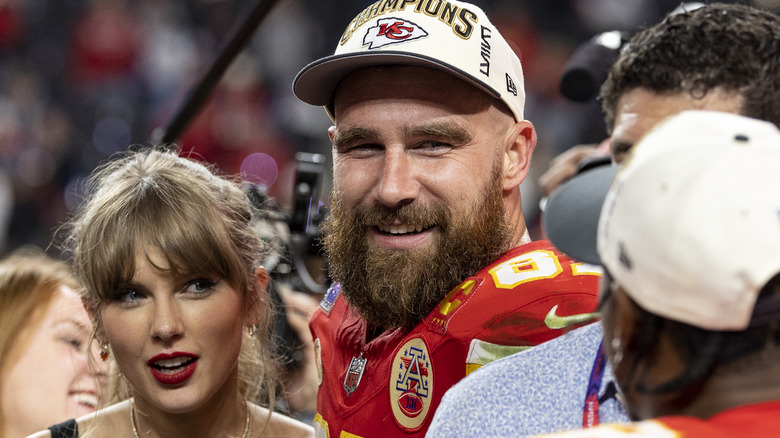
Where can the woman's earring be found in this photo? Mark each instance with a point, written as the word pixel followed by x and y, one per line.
pixel 252 330
pixel 104 352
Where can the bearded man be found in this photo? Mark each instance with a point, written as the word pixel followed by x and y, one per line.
pixel 435 271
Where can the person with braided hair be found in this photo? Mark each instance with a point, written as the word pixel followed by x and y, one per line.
pixel 688 231
pixel 721 57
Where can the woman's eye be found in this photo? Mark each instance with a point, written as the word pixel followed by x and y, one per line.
pixel 73 342
pixel 73 337
pixel 201 286
pixel 128 296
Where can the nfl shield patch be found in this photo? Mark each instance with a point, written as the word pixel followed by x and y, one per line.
pixel 354 374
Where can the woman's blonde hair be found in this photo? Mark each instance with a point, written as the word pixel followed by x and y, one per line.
pixel 199 221
pixel 28 281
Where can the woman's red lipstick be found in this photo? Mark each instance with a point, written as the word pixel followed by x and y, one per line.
pixel 173 368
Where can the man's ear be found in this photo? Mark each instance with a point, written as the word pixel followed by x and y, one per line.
pixel 517 153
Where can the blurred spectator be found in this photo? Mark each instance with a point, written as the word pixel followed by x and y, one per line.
pixel 11 23
pixel 45 333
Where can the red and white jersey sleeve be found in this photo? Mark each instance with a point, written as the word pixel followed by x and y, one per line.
pixel 757 420
pixel 392 385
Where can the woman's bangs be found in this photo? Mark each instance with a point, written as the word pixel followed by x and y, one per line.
pixel 111 261
pixel 191 240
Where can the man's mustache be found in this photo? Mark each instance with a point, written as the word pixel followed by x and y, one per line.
pixel 413 213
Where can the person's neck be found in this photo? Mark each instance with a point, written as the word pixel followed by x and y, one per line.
pixel 730 387
pixel 516 220
pixel 223 415
pixel 523 238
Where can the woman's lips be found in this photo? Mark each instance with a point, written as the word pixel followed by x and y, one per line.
pixel 172 368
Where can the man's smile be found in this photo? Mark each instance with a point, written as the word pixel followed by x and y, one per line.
pixel 402 229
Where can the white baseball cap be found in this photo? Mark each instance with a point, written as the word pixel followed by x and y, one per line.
pixel 449 35
pixel 690 226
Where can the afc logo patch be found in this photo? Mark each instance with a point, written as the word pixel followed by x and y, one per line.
pixel 391 31
pixel 411 384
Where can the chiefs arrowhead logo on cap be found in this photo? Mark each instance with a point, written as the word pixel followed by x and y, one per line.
pixel 391 31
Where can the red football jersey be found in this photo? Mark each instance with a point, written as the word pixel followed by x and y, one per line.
pixel 391 385
pixel 755 421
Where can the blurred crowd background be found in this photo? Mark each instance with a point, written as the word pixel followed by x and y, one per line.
pixel 83 79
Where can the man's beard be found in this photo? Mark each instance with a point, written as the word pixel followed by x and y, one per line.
pixel 399 288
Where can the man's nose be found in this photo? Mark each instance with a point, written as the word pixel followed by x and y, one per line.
pixel 398 184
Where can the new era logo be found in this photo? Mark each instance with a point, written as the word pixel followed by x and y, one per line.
pixel 623 257
pixel 510 85
pixel 392 31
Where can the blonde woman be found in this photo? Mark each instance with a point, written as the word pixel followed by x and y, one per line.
pixel 44 345
pixel 169 265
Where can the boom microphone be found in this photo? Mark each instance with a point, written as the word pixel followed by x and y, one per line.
pixel 203 89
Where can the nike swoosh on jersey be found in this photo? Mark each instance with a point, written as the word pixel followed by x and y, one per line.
pixel 555 322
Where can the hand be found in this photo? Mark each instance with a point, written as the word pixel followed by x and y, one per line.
pixel 301 387
pixel 566 165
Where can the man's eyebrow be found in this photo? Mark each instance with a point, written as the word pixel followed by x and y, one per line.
pixel 347 136
pixel 452 131
pixel 456 133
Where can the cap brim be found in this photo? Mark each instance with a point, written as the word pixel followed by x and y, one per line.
pixel 571 215
pixel 317 81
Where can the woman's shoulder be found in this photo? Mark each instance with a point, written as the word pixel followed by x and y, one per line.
pixel 105 421
pixel 108 414
pixel 280 425
pixel 42 434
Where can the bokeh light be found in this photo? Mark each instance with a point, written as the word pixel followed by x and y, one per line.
pixel 260 169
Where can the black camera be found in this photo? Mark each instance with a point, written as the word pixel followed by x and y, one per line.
pixel 588 67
